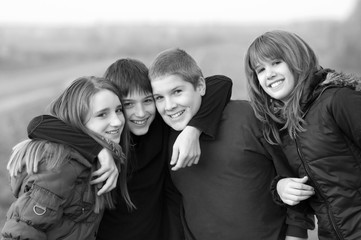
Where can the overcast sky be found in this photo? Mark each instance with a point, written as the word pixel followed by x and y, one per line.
pixel 184 11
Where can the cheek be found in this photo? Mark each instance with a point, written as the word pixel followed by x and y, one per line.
pixel 127 113
pixel 260 80
pixel 122 118
pixel 151 109
pixel 159 106
pixel 94 126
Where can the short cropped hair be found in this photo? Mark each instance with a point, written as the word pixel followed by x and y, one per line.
pixel 178 62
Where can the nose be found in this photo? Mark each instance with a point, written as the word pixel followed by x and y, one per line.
pixel 117 120
pixel 270 73
pixel 169 104
pixel 139 112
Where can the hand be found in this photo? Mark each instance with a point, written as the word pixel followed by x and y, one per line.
pixel 108 172
pixel 294 190
pixel 294 238
pixel 186 148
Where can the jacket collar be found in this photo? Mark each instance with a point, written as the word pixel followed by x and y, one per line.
pixel 327 78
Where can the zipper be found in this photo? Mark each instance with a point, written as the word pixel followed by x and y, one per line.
pixel 305 166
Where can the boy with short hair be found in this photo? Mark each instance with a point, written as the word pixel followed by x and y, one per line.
pixel 227 195
pixel 149 155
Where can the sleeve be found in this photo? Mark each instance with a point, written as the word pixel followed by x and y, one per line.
pixel 299 218
pixel 172 213
pixel 218 94
pixel 53 129
pixel 346 110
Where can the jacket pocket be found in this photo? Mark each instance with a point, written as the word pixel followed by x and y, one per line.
pixel 38 208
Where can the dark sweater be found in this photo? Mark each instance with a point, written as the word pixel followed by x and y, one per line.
pixel 227 195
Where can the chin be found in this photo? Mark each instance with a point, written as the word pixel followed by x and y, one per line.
pixel 177 127
pixel 140 132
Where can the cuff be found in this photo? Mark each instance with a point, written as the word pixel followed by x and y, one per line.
pixel 295 231
pixel 276 198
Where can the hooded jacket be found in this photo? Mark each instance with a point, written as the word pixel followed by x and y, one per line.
pixel 329 153
pixel 55 203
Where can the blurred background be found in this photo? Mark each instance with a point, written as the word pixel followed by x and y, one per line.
pixel 44 45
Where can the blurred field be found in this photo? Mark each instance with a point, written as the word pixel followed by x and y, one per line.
pixel 37 63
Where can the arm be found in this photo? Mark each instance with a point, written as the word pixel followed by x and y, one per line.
pixel 218 94
pixel 299 218
pixel 186 148
pixel 53 129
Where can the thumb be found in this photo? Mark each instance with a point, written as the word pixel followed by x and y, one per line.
pixel 301 180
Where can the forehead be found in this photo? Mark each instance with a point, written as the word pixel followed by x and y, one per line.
pixel 168 83
pixel 136 95
pixel 104 99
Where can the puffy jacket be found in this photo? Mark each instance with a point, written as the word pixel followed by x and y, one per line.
pixel 53 203
pixel 329 153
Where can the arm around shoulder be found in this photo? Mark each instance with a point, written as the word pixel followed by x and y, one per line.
pixel 218 94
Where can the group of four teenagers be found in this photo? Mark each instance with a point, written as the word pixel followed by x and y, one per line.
pixel 240 186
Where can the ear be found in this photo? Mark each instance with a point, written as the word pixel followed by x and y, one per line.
pixel 201 86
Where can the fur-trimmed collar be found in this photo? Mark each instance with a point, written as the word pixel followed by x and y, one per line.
pixel 342 80
pixel 326 78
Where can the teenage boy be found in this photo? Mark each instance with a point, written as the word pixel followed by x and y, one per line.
pixel 149 154
pixel 227 195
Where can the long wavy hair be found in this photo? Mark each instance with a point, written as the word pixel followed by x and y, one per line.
pixel 302 61
pixel 73 107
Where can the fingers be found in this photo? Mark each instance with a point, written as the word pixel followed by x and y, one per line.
pixel 300 180
pixel 109 185
pixel 294 199
pixel 99 179
pixel 294 190
pixel 106 176
pixel 181 160
pixel 185 161
pixel 175 154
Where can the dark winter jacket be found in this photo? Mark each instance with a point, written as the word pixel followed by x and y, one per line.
pixel 53 203
pixel 329 153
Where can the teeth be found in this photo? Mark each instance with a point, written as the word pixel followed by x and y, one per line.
pixel 139 122
pixel 176 114
pixel 113 132
pixel 275 84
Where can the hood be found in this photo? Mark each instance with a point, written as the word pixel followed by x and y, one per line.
pixel 336 79
pixel 326 78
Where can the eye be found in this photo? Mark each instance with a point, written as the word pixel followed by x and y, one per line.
pixel 276 62
pixel 149 100
pixel 128 105
pixel 177 91
pixel 101 115
pixel 259 70
pixel 158 98
pixel 119 110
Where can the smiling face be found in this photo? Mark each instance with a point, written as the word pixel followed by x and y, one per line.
pixel 140 111
pixel 106 116
pixel 177 101
pixel 276 78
